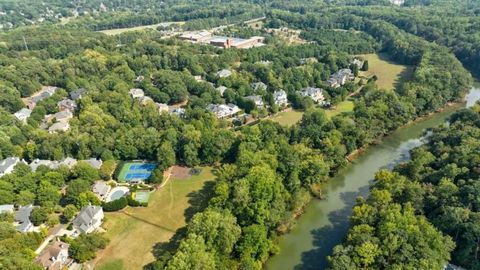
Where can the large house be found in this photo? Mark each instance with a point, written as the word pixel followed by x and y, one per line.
pixel 224 73
pixel 280 98
pixel 222 110
pixel 161 107
pixel 63 116
pixel 101 189
pixel 23 115
pixel 45 92
pixel 22 219
pixel 340 78
pixel 258 86
pixel 89 219
pixel 67 105
pixel 69 162
pixel 95 163
pixel 59 126
pixel 258 100
pixel 78 94
pixel 316 94
pixel 7 208
pixel 7 165
pixel 55 257
pixel 357 62
pixel 136 93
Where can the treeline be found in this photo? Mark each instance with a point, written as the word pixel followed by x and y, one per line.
pixel 405 218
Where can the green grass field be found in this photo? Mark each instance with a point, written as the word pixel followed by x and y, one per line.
pixel 344 106
pixel 389 73
pixel 288 118
pixel 134 231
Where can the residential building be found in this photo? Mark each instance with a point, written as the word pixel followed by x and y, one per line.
pixel 55 257
pixel 258 86
pixel 180 112
pixel 316 94
pixel 59 126
pixel 136 93
pixel 145 100
pixel 89 219
pixel 280 98
pixel 63 116
pixel 224 73
pixel 45 92
pixel 397 2
pixel 257 99
pixel 7 208
pixel 340 78
pixel 221 90
pixel 95 163
pixel 67 105
pixel 78 94
pixel 23 115
pixel 139 79
pixel 198 78
pixel 357 62
pixel 22 219
pixel 101 189
pixel 68 161
pixel 38 162
pixel 161 107
pixel 222 110
pixel 7 165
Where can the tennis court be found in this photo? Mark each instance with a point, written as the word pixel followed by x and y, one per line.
pixel 142 196
pixel 136 171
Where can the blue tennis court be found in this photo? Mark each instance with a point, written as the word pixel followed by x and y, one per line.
pixel 136 171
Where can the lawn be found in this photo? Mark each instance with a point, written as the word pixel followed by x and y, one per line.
pixel 112 32
pixel 288 118
pixel 389 74
pixel 344 106
pixel 134 231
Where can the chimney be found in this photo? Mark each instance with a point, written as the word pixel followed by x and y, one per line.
pixel 229 43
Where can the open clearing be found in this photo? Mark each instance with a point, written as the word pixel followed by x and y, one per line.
pixel 288 118
pixel 133 232
pixel 344 106
pixel 389 74
pixel 112 32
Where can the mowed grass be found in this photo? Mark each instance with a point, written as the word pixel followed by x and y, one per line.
pixel 344 106
pixel 133 232
pixel 389 74
pixel 288 118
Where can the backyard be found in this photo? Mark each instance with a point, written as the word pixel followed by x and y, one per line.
pixel 134 232
pixel 389 74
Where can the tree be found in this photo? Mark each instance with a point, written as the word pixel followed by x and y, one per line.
pixel 165 156
pixel 39 215
pixel 84 247
pixel 192 254
pixel 69 212
pixel 365 66
pixel 47 194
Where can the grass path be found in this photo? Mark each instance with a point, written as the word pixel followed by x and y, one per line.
pixel 134 232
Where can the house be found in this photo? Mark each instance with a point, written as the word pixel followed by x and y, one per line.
pixel 198 78
pixel 161 107
pixel 221 90
pixel 55 257
pixel 340 78
pixel 280 98
pixel 47 119
pixel 357 62
pixel 22 219
pixel 222 110
pixel 256 86
pixel 95 163
pixel 38 162
pixel 7 165
pixel 101 189
pixel 63 116
pixel 316 94
pixel 23 115
pixel 78 94
pixel 6 208
pixel 397 2
pixel 258 100
pixel 67 105
pixel 68 161
pixel 224 73
pixel 89 219
pixel 136 93
pixel 145 100
pixel 177 111
pixel 44 93
pixel 139 79
pixel 59 126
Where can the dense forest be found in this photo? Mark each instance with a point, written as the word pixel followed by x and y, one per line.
pixel 423 210
pixel 265 173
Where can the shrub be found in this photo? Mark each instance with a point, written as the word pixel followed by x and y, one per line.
pixel 115 205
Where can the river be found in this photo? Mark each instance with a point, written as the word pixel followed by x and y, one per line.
pixel 326 222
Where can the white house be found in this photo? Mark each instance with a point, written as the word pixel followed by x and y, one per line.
pixel 280 98
pixel 340 78
pixel 224 73
pixel 222 110
pixel 23 115
pixel 316 94
pixel 161 107
pixel 136 93
pixel 7 165
pixel 257 99
pixel 59 126
pixel 7 208
pixel 89 219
